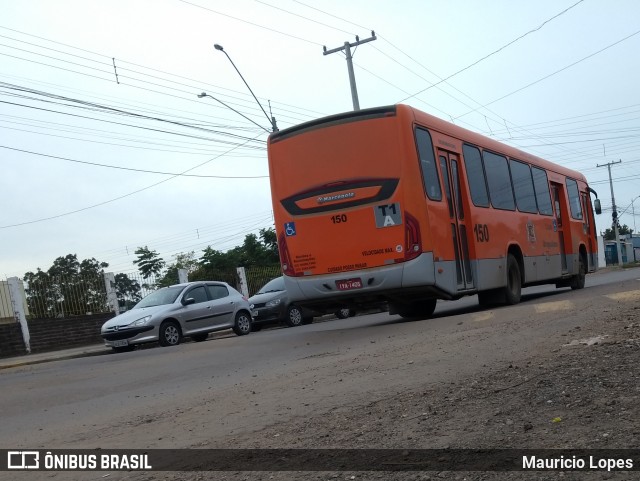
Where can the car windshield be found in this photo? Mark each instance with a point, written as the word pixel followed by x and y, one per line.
pixel 166 295
pixel 274 285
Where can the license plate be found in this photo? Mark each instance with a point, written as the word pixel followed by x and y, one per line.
pixel 120 343
pixel 348 284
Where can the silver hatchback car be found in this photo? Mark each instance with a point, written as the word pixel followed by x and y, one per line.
pixel 190 310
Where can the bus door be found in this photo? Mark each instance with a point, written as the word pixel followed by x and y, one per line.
pixel 557 194
pixel 450 168
pixel 587 219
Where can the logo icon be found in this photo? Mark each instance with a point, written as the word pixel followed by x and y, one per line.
pixel 23 460
pixel 290 228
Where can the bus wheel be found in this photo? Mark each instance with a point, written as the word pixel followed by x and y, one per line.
pixel 577 282
pixel 514 282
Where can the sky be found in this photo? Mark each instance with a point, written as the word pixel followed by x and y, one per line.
pixel 106 147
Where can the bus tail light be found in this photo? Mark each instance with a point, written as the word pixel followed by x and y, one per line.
pixel 285 257
pixel 413 241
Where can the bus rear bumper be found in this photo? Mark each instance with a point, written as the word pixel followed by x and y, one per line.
pixel 410 280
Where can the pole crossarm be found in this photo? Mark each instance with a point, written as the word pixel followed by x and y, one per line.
pixel 354 44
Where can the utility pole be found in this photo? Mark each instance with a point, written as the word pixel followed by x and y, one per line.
pixel 352 78
pixel 614 215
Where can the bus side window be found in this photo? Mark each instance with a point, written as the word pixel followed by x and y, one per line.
pixel 574 199
pixel 428 165
pixel 541 186
pixel 499 180
pixel 475 175
pixel 523 186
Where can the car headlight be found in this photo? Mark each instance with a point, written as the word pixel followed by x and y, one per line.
pixel 273 303
pixel 140 322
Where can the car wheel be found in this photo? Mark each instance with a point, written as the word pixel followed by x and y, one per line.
pixel 513 289
pixel 169 334
pixel 344 313
pixel 294 316
pixel 242 324
pixel 200 337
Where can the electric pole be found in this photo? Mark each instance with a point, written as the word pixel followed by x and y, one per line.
pixel 352 78
pixel 614 215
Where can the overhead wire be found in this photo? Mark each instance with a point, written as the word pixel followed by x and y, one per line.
pixel 117 167
pixel 57 216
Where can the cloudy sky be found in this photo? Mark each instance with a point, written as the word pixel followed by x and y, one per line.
pixel 99 113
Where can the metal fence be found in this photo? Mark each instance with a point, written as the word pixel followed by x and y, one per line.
pixel 58 297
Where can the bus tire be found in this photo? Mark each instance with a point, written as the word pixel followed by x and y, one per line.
pixel 513 289
pixel 577 282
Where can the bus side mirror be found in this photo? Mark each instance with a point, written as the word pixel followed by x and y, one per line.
pixel 596 205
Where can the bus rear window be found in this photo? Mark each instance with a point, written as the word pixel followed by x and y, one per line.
pixel 428 165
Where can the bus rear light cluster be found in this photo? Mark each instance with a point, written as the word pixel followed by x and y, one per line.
pixel 413 241
pixel 285 257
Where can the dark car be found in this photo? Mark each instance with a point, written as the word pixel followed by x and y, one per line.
pixel 271 305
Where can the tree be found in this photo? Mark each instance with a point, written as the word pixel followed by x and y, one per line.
pixel 610 234
pixel 184 260
pixel 127 291
pixel 254 251
pixel 67 287
pixel 270 243
pixel 149 262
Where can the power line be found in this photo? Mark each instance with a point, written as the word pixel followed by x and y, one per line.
pixel 554 73
pixel 117 198
pixel 252 23
pixel 495 51
pixel 95 164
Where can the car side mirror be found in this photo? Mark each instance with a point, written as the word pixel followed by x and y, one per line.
pixel 597 207
pixel 190 300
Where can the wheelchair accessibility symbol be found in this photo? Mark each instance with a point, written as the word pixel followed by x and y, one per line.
pixel 290 228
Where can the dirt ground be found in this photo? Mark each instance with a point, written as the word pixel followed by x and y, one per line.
pixel 582 391
pixel 558 371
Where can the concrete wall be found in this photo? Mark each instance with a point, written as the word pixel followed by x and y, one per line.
pixel 52 334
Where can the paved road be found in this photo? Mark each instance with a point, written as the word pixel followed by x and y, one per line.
pixel 202 393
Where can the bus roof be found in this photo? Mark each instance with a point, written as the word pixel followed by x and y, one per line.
pixel 428 121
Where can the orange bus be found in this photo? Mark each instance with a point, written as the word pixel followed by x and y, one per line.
pixel 394 205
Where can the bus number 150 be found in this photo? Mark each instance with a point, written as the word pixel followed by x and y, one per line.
pixel 482 232
pixel 339 219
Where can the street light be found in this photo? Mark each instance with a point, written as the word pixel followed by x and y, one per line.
pixel 204 94
pixel 271 120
